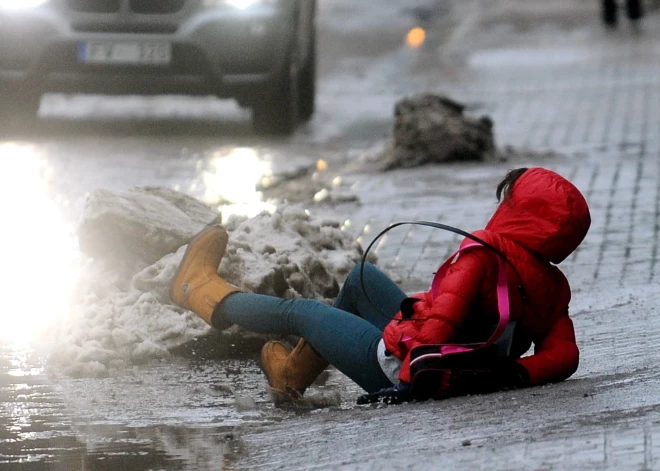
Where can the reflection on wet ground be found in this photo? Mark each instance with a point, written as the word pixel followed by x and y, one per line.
pixel 37 431
pixel 183 413
pixel 198 156
pixel 177 416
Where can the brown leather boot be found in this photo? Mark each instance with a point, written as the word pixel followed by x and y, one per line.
pixel 197 285
pixel 289 374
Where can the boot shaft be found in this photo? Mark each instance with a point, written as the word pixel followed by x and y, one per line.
pixel 291 373
pixel 197 285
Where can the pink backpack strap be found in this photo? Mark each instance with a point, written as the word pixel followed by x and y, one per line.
pixel 503 303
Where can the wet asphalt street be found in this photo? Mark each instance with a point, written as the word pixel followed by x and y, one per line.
pixel 551 77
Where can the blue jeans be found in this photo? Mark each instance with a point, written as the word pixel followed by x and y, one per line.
pixel 345 334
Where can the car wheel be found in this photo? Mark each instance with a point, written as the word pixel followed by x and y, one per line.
pixel 278 113
pixel 307 83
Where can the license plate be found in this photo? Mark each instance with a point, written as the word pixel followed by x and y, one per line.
pixel 125 52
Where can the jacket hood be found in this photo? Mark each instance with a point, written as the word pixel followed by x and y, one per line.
pixel 545 213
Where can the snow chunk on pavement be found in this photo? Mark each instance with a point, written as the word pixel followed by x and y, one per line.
pixel 142 224
pixel 433 129
pixel 117 320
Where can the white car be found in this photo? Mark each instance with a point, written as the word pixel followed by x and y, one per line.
pixel 260 52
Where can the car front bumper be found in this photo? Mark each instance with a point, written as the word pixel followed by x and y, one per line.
pixel 218 51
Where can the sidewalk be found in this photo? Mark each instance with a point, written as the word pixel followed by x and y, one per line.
pixel 552 78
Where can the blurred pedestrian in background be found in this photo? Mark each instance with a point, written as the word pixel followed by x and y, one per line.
pixel 634 11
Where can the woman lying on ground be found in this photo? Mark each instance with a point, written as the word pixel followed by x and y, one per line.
pixel 541 220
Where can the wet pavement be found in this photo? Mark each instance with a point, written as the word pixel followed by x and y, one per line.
pixel 551 77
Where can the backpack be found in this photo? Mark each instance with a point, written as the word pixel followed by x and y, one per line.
pixel 439 371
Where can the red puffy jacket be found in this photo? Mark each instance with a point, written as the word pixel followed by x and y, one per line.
pixel 540 223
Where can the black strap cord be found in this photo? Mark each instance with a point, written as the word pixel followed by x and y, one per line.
pixel 437 225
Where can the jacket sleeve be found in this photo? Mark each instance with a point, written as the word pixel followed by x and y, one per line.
pixel 437 320
pixel 556 356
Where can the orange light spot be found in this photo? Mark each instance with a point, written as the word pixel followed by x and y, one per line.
pixel 415 37
pixel 321 165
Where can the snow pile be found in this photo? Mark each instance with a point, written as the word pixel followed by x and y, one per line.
pixel 432 129
pixel 121 313
pixel 140 226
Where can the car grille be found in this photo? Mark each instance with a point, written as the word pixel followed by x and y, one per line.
pixel 136 6
pixel 156 6
pixel 114 27
pixel 95 6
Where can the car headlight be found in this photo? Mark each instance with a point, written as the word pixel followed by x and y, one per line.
pixel 20 4
pixel 240 4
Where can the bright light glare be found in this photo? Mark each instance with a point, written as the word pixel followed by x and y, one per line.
pixel 242 4
pixel 234 178
pixel 18 4
pixel 37 274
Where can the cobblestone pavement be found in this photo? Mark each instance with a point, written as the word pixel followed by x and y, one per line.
pixel 552 79
pixel 590 95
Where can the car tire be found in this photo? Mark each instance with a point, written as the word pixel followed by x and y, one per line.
pixel 307 83
pixel 278 113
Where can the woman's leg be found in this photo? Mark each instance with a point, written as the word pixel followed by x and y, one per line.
pixel 343 339
pixel 381 302
pixel 609 12
pixel 634 9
